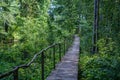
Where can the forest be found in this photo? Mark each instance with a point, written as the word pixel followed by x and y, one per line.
pixel 29 26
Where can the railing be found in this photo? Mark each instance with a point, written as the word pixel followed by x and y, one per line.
pixel 56 48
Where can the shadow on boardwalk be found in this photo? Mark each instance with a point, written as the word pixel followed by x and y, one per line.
pixel 67 69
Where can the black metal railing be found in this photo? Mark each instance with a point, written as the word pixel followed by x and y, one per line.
pixel 56 48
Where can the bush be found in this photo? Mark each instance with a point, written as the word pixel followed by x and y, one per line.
pixel 101 68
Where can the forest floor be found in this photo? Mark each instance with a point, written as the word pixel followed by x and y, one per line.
pixel 67 69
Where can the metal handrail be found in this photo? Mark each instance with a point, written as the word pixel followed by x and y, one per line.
pixel 14 71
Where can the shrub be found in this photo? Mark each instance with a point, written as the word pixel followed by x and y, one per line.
pixel 101 68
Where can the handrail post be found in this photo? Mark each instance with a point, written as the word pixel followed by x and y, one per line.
pixel 50 53
pixel 54 57
pixel 67 44
pixel 42 65
pixel 59 51
pixel 15 74
pixel 64 46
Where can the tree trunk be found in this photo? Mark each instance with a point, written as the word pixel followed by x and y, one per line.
pixel 95 28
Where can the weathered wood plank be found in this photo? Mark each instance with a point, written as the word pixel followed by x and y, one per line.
pixel 67 69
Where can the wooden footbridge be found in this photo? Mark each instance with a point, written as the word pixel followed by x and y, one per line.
pixel 65 69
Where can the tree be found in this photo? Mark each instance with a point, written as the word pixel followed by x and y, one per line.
pixel 95 28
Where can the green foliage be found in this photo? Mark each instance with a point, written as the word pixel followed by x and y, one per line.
pixel 105 65
pixel 26 27
pixel 107 46
pixel 86 34
pixel 99 67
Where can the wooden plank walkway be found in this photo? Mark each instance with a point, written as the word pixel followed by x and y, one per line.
pixel 67 69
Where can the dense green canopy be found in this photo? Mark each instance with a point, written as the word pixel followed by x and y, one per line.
pixel 27 26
